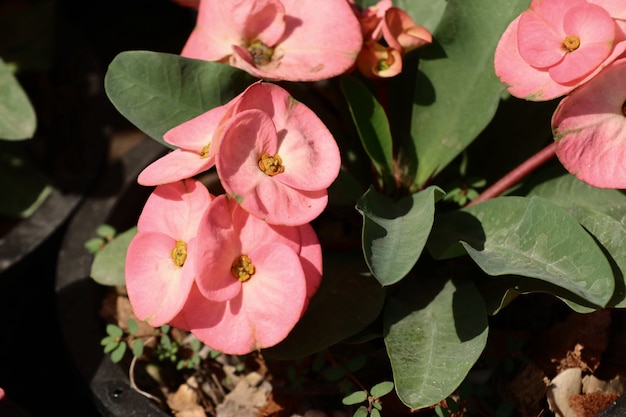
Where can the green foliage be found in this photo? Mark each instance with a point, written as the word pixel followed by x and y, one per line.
pixel 395 232
pixel 457 92
pixel 17 115
pixel 176 88
pixel 372 397
pixel 109 260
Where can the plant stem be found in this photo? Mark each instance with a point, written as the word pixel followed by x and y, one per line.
pixel 516 174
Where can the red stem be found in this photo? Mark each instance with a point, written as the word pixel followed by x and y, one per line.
pixel 517 174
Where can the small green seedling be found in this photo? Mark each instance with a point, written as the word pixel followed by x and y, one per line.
pixel 374 405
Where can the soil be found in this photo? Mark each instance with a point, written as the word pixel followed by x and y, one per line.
pixel 549 362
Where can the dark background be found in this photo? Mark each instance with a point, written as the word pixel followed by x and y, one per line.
pixel 36 371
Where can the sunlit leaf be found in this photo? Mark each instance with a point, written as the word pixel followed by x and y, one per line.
pixel 108 264
pixel 381 389
pixel 355 398
pixel 435 331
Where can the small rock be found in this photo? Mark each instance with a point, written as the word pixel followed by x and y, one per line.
pixel 563 386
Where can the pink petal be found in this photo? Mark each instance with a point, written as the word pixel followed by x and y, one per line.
pixel 175 209
pixel 157 287
pixel 590 129
pixel 304 141
pixel 198 133
pixel 221 245
pixel 616 8
pixel 311 259
pixel 322 40
pixel 262 315
pixel 540 40
pixel 527 82
pixel 174 166
pixel 370 59
pixel 596 31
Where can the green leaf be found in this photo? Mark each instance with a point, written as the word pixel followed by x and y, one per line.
pixel 94 244
pixel 424 13
pixel 611 234
pixel 566 190
pixel 138 348
pixel 360 412
pixel 118 353
pixel 373 127
pixel 347 300
pixel 106 231
pixel 356 363
pixel 112 346
pixel 114 330
pixel 435 330
pixel 157 91
pixel 107 340
pixel 355 398
pixel 375 413
pixel 132 325
pixel 108 264
pixel 395 233
pixel 531 237
pixel 381 389
pixel 17 115
pixel 457 92
pixel 334 373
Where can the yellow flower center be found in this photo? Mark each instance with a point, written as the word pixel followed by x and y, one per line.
pixel 242 268
pixel 179 253
pixel 261 53
pixel 571 43
pixel 204 153
pixel 271 165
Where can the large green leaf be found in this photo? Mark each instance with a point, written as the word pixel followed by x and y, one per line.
pixel 347 301
pixel 108 264
pixel 435 331
pixel 566 190
pixel 531 237
pixel 373 127
pixel 395 232
pixel 457 92
pixel 17 115
pixel 611 234
pixel 158 91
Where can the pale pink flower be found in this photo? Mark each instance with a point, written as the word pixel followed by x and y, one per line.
pixel 557 45
pixel 196 148
pixel 589 128
pixel 277 39
pixel 160 268
pixel 255 280
pixel 276 157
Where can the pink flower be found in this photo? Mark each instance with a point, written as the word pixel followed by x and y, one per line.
pixel 589 128
pixel 383 22
pixel 277 39
pixel 160 267
pixel 196 149
pixel 255 281
pixel 557 45
pixel 276 157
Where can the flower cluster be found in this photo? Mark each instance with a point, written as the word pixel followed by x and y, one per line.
pixel 573 48
pixel 238 269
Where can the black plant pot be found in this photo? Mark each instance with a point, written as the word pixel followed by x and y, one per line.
pixel 70 149
pixel 79 298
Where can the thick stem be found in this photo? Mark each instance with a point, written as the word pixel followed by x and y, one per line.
pixel 516 174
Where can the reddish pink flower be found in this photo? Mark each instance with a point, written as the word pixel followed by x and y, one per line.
pixel 277 39
pixel 255 283
pixel 160 268
pixel 276 157
pixel 589 128
pixel 383 22
pixel 557 45
pixel 196 148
